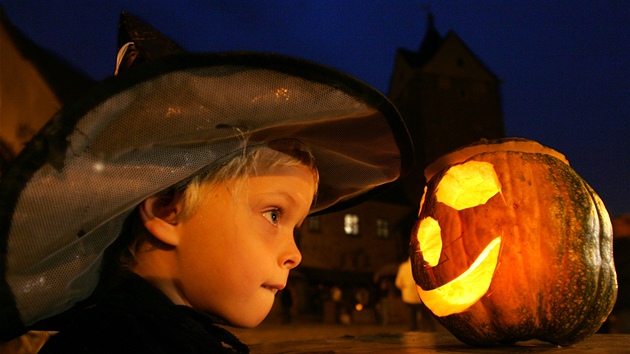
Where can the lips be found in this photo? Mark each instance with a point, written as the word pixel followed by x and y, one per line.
pixel 273 288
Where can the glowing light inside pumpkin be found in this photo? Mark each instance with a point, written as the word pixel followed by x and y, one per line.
pixel 462 292
pixel 430 240
pixel 424 194
pixel 468 185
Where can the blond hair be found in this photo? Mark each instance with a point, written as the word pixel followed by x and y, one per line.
pixel 256 161
pixel 260 161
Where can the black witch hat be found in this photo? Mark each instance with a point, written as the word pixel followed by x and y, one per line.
pixel 139 42
pixel 156 124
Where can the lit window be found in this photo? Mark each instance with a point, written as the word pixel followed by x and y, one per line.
pixel 382 228
pixel 351 224
pixel 314 224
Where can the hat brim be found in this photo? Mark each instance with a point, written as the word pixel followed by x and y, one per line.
pixel 64 199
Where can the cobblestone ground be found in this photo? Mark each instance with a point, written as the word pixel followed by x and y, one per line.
pixel 303 328
pixel 275 332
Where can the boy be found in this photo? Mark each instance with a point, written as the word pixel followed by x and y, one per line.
pixel 175 188
pixel 224 245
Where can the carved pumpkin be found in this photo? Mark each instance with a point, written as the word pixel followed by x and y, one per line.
pixel 511 244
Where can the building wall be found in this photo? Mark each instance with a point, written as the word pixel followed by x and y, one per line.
pixel 331 248
pixel 34 85
pixel 26 100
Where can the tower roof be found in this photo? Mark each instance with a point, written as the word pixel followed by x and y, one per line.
pixel 431 42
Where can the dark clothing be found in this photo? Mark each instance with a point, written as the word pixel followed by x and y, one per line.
pixel 135 317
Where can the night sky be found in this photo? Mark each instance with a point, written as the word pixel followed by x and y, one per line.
pixel 564 64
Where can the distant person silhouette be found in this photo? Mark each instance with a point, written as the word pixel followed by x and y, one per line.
pixel 407 285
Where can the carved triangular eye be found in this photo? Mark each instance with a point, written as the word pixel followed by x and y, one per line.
pixel 468 185
pixel 430 240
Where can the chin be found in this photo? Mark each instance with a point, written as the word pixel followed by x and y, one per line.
pixel 247 323
pixel 250 320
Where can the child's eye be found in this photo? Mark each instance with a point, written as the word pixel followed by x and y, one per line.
pixel 272 216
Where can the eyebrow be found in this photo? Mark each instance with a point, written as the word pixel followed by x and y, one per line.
pixel 284 195
pixel 290 198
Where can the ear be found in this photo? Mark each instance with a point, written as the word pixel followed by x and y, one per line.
pixel 159 216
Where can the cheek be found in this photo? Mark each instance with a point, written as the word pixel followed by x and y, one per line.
pixel 217 277
pixel 228 256
pixel 249 261
pixel 206 251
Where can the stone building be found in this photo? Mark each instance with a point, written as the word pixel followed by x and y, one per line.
pixel 35 84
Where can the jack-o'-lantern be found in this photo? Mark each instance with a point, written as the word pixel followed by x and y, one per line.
pixel 512 244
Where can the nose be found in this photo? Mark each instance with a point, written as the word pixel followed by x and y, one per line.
pixel 291 256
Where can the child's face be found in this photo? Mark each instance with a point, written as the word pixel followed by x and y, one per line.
pixel 237 249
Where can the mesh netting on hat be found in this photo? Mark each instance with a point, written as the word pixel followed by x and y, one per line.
pixel 152 131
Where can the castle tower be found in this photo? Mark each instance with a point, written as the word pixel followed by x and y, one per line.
pixel 447 97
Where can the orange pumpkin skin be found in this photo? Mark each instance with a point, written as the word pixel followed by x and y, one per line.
pixel 554 281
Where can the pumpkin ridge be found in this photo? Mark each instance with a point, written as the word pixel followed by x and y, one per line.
pixel 580 288
pixel 565 312
pixel 532 245
pixel 604 294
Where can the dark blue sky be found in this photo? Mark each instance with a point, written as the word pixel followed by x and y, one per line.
pixel 564 64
